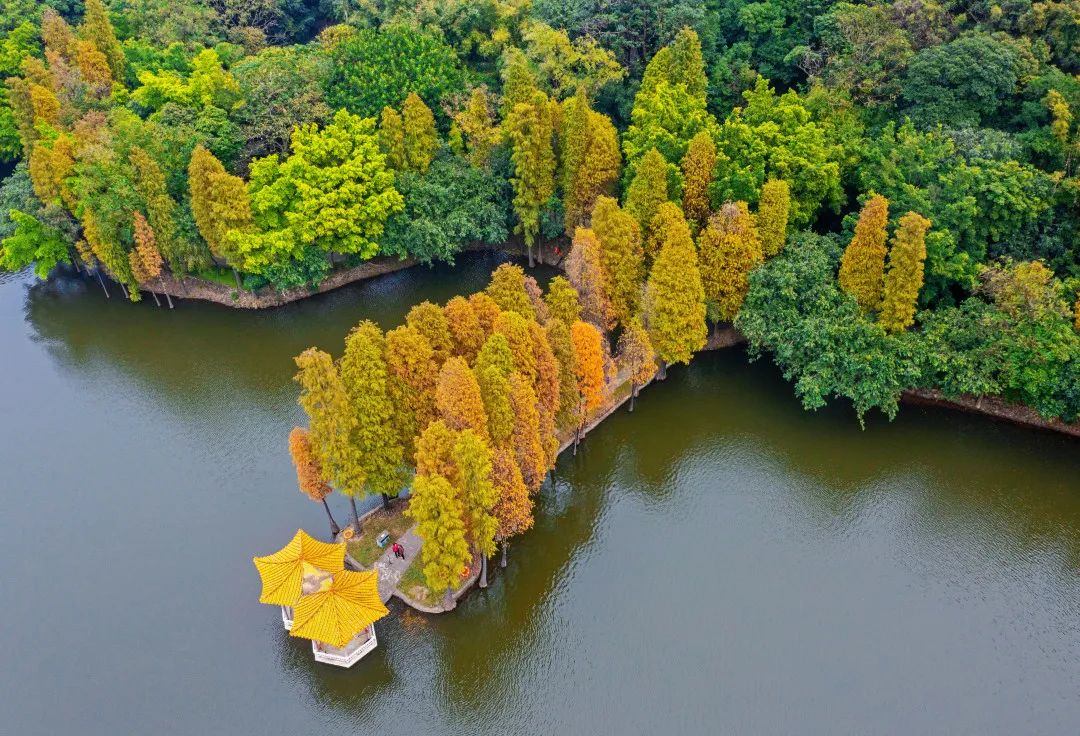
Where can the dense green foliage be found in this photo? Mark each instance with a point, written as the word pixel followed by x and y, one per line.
pixel 284 140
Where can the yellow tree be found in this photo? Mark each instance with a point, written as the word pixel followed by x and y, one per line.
pixel 97 29
pixel 774 205
pixel 530 127
pixel 558 334
pixel 648 190
pixel 637 356
pixel 392 138
pixel 589 367
pixel 457 397
pixel 862 267
pixel 411 374
pixel 440 521
pixel 435 451
pixel 421 140
pixel 309 475
pixel 698 164
pixel 507 289
pixel 219 203
pixel 675 300
pixel 526 440
pixel 478 495
pixel 515 329
pixel 729 249
pixel 562 300
pixel 907 254
pixel 514 507
pixel 428 319
pixel 486 309
pixel 621 255
pixel 330 418
pixel 587 275
pixel 465 331
pixel 365 376
pixel 591 159
pixel 477 123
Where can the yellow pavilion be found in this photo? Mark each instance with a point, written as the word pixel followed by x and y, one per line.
pixel 322 601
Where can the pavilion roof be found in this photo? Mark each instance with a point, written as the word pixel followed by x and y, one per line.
pixel 339 608
pixel 283 572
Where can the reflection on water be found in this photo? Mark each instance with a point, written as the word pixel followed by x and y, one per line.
pixel 717 561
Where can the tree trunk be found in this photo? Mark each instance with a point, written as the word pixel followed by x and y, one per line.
pixel 355 515
pixel 97 272
pixel 483 570
pixel 161 285
pixel 661 375
pixel 505 545
pixel 156 300
pixel 236 275
pixel 124 289
pixel 449 604
pixel 540 254
pixel 633 394
pixel 528 247
pixel 334 528
pixel 577 437
pixel 385 501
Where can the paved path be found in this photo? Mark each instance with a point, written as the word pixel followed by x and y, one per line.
pixel 392 568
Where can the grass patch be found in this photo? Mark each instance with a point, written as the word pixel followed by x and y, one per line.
pixel 414 584
pixel 218 275
pixel 363 549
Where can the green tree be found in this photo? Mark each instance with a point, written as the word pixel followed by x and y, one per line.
pixel 332 194
pixel 648 189
pixel 907 253
pixel 862 267
pixel 562 300
pixel 589 149
pixel 32 242
pixel 530 128
pixel 621 255
pixel 478 494
pixel 558 335
pixel 440 516
pixel 365 377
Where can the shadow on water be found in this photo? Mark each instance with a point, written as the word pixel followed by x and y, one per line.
pixel 177 353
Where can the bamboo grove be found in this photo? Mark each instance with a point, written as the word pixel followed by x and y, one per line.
pixel 880 196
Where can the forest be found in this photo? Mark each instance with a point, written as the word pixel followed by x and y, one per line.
pixel 879 196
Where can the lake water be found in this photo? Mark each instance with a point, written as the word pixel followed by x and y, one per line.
pixel 719 561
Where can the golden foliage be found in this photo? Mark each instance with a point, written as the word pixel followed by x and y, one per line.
pixel 514 508
pixel 636 352
pixel 486 309
pixel 515 329
pixel 587 275
pixel 412 372
pixel 145 259
pixel 392 138
pixel 774 205
pixel 465 331
pixel 862 267
pixel 588 363
pixel 675 298
pixel 729 249
pixel 308 473
pixel 528 446
pixel 421 140
pixel 93 67
pixel 591 159
pixel 457 397
pixel 440 515
pixel 507 289
pixel 435 451
pixel 430 321
pixel 558 334
pixel 621 255
pixel 697 165
pixel 562 300
pixel 907 254
pixel 219 203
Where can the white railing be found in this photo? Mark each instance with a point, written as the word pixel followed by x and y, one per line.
pixel 286 617
pixel 344 657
